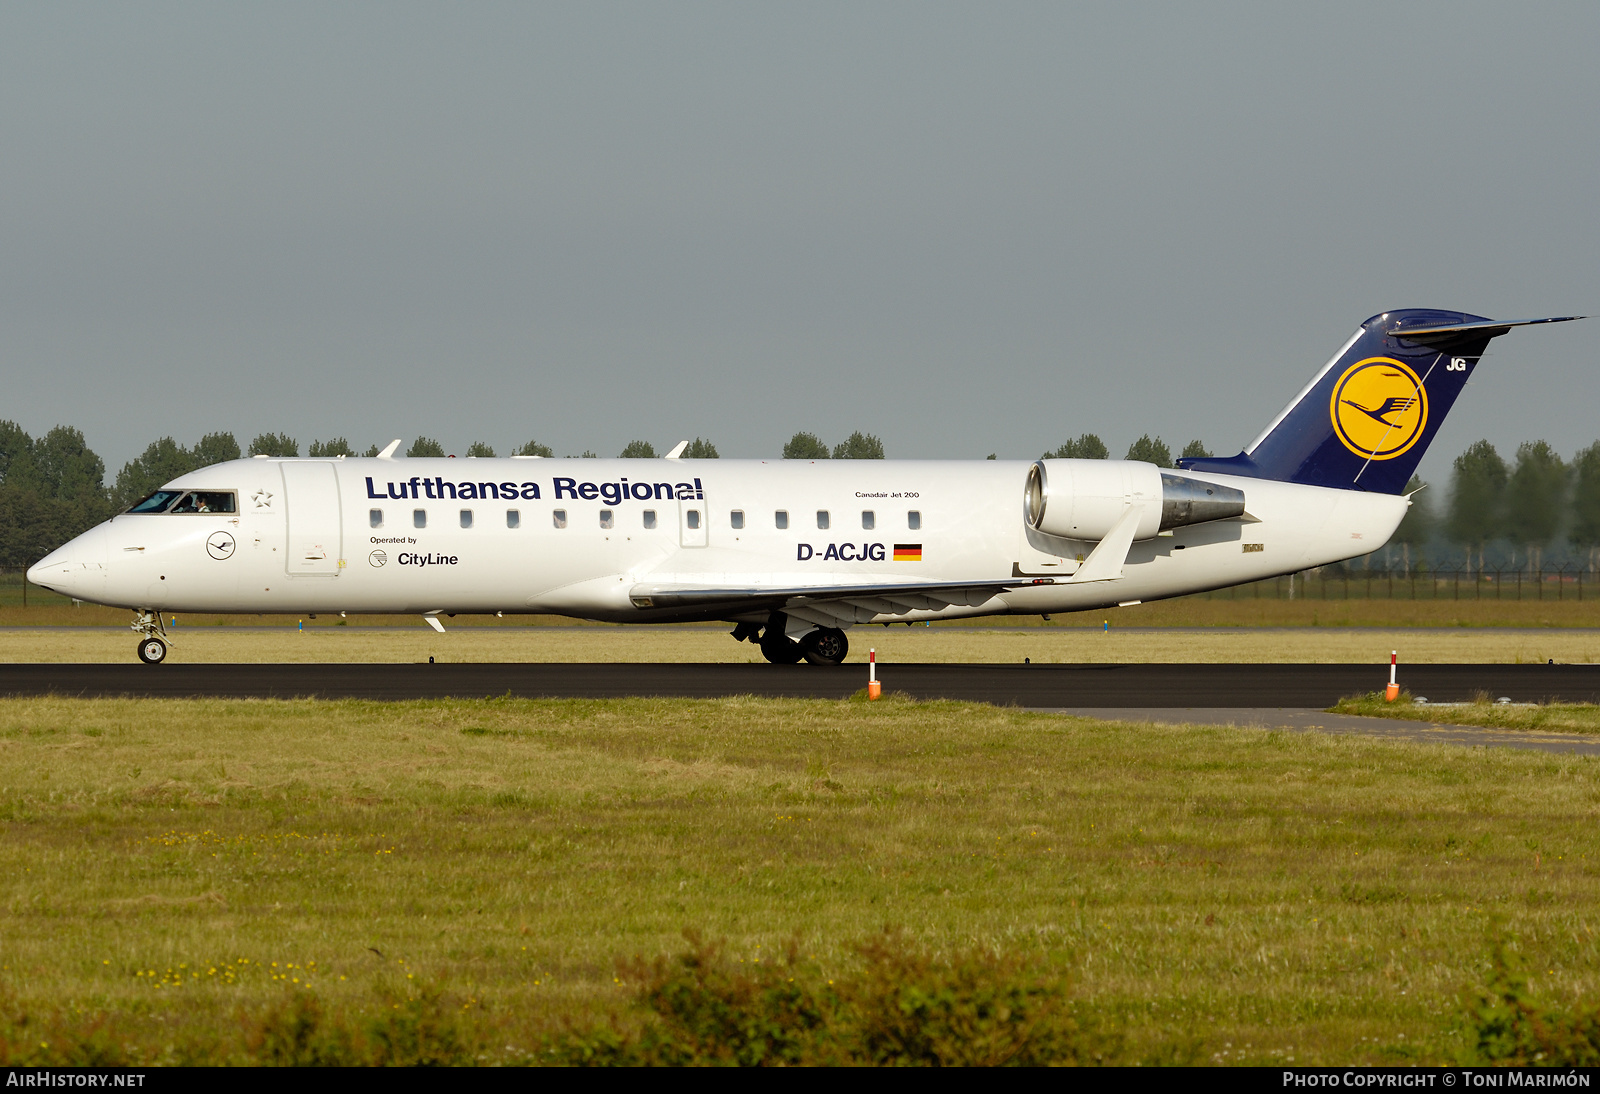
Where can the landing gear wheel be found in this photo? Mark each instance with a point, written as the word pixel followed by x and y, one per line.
pixel 152 651
pixel 788 653
pixel 825 646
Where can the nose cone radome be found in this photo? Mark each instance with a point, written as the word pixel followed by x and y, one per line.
pixel 76 569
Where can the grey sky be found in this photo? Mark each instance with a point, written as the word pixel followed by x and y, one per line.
pixel 965 228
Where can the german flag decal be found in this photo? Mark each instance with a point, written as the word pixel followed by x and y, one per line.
pixel 908 552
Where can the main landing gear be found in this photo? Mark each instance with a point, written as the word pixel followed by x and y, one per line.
pixel 825 646
pixel 821 646
pixel 153 637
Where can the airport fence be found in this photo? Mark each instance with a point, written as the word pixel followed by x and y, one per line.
pixel 16 591
pixel 1566 583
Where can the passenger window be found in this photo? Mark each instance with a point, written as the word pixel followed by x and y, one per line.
pixel 156 502
pixel 513 518
pixel 559 517
pixel 206 501
pixel 781 518
pixel 466 518
pixel 692 517
pixel 649 518
pixel 822 518
pixel 914 520
pixel 375 517
pixel 606 519
pixel 419 518
pixel 868 519
pixel 736 518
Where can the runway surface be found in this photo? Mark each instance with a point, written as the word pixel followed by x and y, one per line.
pixel 1056 686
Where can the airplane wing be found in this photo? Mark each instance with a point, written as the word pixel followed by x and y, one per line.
pixel 832 605
pixel 829 605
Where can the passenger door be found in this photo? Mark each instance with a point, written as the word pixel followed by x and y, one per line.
pixel 315 538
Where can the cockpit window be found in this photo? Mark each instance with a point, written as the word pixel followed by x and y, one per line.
pixel 206 501
pixel 156 502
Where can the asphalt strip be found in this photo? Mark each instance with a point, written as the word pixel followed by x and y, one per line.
pixel 1308 720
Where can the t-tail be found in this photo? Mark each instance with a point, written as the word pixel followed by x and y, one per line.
pixel 1365 420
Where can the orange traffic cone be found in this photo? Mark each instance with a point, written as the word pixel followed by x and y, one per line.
pixel 874 689
pixel 1392 692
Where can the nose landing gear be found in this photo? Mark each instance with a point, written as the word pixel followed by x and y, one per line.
pixel 153 640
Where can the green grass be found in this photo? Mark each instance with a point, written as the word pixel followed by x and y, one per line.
pixel 1546 717
pixel 257 880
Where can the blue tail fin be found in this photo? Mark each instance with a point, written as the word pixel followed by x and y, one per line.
pixel 1365 420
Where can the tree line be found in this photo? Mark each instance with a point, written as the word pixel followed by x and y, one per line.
pixel 53 487
pixel 1511 512
pixel 1147 449
pixel 1496 515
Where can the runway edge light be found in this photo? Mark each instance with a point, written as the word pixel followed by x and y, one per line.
pixel 874 689
pixel 1392 692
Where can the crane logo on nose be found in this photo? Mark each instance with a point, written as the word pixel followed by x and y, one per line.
pixel 220 545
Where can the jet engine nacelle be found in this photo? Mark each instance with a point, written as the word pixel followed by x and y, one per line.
pixel 1084 499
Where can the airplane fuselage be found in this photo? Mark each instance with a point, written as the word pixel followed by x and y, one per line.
pixel 580 537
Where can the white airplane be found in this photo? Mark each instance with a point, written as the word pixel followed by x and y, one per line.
pixel 793 553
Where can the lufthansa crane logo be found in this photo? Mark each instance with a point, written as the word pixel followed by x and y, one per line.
pixel 1379 408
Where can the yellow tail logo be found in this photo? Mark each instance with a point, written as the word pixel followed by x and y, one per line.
pixel 1379 408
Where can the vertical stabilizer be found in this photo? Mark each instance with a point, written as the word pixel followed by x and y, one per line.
pixel 1365 420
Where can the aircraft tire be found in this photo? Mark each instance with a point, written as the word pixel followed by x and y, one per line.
pixel 152 651
pixel 786 653
pixel 825 646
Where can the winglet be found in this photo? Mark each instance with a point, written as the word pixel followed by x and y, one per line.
pixel 389 449
pixel 677 450
pixel 433 620
pixel 1105 562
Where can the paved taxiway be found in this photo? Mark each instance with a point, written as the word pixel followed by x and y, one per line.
pixel 1266 696
pixel 1074 685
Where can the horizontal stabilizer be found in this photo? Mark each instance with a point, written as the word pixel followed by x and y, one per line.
pixel 1433 334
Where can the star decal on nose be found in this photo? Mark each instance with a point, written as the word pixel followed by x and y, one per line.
pixel 262 498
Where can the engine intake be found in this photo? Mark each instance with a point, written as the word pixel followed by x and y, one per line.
pixel 1084 499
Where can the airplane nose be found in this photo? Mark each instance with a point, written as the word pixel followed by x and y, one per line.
pixel 54 572
pixel 77 568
